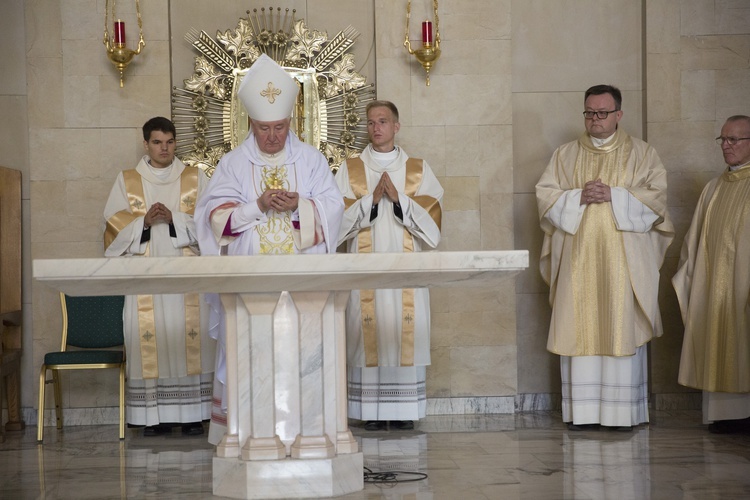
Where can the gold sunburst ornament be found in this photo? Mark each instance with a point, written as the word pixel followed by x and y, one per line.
pixel 330 109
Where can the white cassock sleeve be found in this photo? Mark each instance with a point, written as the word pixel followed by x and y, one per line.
pixel 629 213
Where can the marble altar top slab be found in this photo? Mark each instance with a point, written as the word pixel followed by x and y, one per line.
pixel 272 273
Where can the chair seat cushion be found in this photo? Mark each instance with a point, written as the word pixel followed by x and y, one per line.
pixel 82 357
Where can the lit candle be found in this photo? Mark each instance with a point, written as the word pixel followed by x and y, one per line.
pixel 426 33
pixel 120 33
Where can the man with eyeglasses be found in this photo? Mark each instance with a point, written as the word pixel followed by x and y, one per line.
pixel 603 208
pixel 713 287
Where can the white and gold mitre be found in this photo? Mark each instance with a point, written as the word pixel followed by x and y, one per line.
pixel 267 91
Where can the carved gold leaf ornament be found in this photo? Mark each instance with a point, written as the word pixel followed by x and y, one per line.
pixel 330 113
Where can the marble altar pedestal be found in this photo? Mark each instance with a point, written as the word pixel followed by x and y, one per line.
pixel 287 433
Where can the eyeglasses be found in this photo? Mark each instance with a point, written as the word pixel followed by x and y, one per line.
pixel 730 140
pixel 599 114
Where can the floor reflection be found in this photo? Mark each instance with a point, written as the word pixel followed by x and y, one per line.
pixel 527 456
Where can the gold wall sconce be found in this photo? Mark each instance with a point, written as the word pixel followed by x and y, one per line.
pixel 430 51
pixel 117 51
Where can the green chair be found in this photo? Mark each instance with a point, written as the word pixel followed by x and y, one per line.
pixel 91 324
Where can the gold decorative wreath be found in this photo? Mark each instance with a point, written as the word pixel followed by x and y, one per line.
pixel 330 108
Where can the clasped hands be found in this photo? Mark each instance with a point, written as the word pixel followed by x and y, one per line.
pixel 595 192
pixel 278 200
pixel 156 214
pixel 385 187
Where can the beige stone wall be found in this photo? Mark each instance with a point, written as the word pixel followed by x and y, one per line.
pixel 507 90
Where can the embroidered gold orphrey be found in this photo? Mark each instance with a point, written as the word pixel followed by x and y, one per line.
pixel 330 109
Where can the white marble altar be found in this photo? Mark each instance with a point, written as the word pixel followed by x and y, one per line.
pixel 287 432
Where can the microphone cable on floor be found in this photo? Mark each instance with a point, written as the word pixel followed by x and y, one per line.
pixel 392 477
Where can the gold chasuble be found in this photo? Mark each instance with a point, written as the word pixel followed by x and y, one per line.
pixel 358 183
pixel 600 270
pixel 146 325
pixel 603 280
pixel 716 261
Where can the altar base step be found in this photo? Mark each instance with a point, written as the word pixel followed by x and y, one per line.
pixel 288 478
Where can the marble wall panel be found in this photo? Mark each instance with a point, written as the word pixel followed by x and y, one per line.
pixel 475 57
pixel 732 90
pixel 46 102
pixel 461 231
pixel 463 148
pixel 438 383
pixel 685 145
pixel 53 158
pixel 483 370
pixel 538 369
pixel 390 22
pixel 493 324
pixel 697 91
pixel 43 24
pixel 497 223
pixel 428 143
pixel 697 17
pixel 542 122
pixel 706 17
pixel 456 299
pixel 82 104
pixel 662 27
pixel 570 45
pixel 122 148
pixel 463 100
pixel 13 57
pixel 81 196
pixel 476 20
pixel 494 158
pixel 714 52
pixel 664 77
pixel 143 97
pixel 92 388
pixel 461 193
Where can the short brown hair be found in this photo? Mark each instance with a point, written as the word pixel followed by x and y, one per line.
pixel 383 104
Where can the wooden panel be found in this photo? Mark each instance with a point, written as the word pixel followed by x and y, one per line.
pixel 10 240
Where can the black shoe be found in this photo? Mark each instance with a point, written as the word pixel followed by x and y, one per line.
pixel 157 430
pixel 726 426
pixel 375 425
pixel 582 427
pixel 192 429
pixel 403 425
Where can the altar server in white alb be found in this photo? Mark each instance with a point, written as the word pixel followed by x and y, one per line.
pixel 393 204
pixel 171 358
pixel 273 194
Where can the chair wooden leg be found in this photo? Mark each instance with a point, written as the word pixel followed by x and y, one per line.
pixel 58 398
pixel 40 411
pixel 122 401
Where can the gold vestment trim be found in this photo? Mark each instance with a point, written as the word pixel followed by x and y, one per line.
pixel 358 183
pixel 275 236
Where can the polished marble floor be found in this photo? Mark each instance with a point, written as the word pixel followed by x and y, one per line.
pixel 529 455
